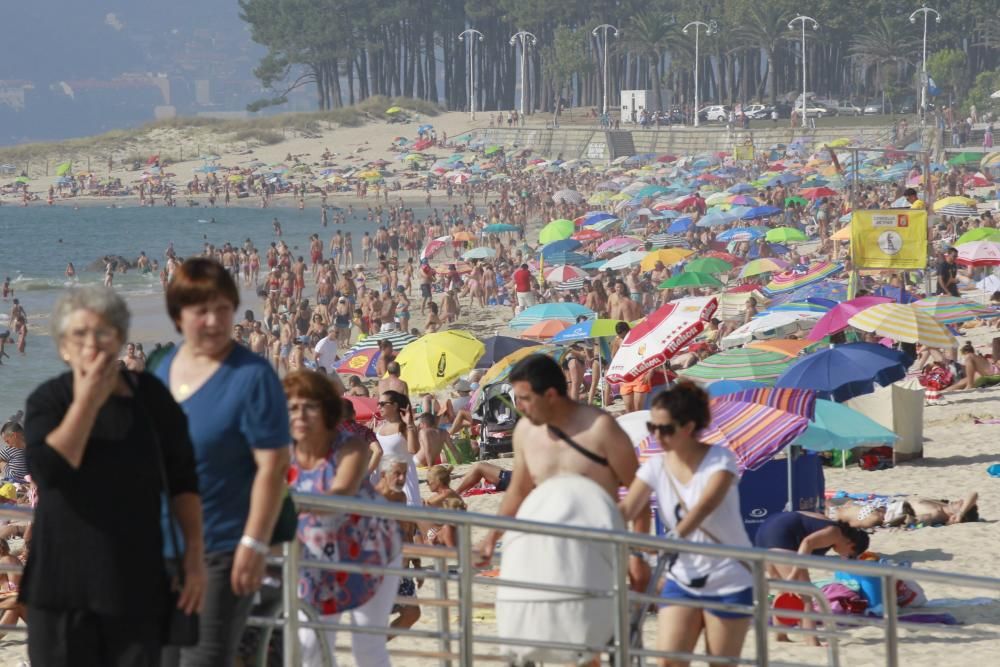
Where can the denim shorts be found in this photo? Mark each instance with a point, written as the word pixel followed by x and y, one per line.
pixel 673 591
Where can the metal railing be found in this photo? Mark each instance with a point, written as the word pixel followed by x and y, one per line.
pixel 464 645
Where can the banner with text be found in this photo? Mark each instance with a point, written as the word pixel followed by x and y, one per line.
pixel 889 239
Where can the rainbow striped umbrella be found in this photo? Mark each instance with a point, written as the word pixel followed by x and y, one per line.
pixel 903 323
pixel 801 402
pixel 953 309
pixel 739 364
pixel 753 432
pixel 801 277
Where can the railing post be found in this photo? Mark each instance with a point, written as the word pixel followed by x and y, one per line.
pixel 465 606
pixel 623 637
pixel 761 611
pixel 890 612
pixel 444 624
pixel 290 602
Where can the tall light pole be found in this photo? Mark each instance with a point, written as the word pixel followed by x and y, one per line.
pixel 473 34
pixel 525 38
pixel 708 31
pixel 815 26
pixel 925 10
pixel 605 27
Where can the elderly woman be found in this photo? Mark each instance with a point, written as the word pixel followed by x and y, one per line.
pixel 95 584
pixel 235 408
pixel 329 460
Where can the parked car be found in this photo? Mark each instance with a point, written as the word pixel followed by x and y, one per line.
pixel 815 110
pixel 718 113
pixel 847 108
pixel 872 107
pixel 757 111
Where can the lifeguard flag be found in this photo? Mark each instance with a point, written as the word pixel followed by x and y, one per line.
pixel 889 239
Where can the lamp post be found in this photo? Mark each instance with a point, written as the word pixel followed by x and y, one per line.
pixel 525 38
pixel 472 33
pixel 708 31
pixel 605 27
pixel 815 26
pixel 925 10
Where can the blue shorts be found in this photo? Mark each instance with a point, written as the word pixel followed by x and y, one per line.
pixel 673 591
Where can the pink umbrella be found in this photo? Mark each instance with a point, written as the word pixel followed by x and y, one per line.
pixel 660 336
pixel 979 253
pixel 835 319
pixel 562 273
pixel 753 432
pixel 618 244
pixel 434 245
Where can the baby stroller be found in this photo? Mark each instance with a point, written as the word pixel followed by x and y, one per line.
pixel 497 417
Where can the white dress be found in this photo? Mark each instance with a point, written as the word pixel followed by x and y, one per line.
pixel 394 445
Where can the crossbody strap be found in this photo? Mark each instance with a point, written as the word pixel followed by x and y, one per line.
pixel 596 458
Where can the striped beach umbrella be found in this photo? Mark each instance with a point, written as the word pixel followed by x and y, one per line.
pixel 903 323
pixel 399 340
pixel 979 253
pixel 779 324
pixel 562 273
pixel 571 284
pixel 801 402
pixel 953 309
pixel 618 244
pixel 753 432
pixel 796 278
pixel 668 240
pixel 739 364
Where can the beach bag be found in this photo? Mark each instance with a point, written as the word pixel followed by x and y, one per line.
pixel 910 594
pixel 843 600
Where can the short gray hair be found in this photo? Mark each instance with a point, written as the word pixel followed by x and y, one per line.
pixel 385 465
pixel 100 300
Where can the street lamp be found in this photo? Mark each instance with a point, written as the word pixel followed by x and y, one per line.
pixel 925 10
pixel 471 32
pixel 709 27
pixel 605 27
pixel 525 38
pixel 815 26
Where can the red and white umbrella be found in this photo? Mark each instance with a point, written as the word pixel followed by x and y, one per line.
pixel 434 245
pixel 562 273
pixel 979 253
pixel 660 336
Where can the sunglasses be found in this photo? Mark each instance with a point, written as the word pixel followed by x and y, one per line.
pixel 382 404
pixel 661 429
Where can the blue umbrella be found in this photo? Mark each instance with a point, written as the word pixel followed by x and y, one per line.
pixel 723 387
pixel 680 226
pixel 717 218
pixel 823 290
pixel 787 178
pixel 811 304
pixel 742 189
pixel 424 128
pixel 498 347
pixel 564 245
pixel 760 212
pixel 740 234
pixel 778 248
pixel 846 371
pixel 499 228
pixel 562 310
pixel 567 257
pixel 894 294
pixel 836 426
pixel 593 217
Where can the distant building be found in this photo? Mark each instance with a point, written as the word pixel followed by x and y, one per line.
pixel 12 93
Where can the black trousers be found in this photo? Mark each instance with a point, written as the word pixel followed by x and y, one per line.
pixel 81 638
pixel 223 618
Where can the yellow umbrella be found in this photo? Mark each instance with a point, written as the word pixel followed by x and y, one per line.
pixel 668 256
pixel 993 159
pixel 370 173
pixel 392 110
pixel 957 200
pixel 904 323
pixel 437 359
pixel 839 143
pixel 599 198
pixel 842 234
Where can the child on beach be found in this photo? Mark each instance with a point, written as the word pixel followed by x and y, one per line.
pixel 444 497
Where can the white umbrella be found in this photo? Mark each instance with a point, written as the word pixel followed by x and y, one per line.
pixel 774 325
pixel 624 260
pixel 567 197
pixel 996 95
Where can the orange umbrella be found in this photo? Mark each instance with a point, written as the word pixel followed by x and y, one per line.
pixel 787 346
pixel 463 236
pixel 544 330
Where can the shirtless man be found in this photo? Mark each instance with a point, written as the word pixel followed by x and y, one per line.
pixel 624 308
pixel 258 339
pixel 392 381
pixel 432 441
pixel 299 270
pixel 285 339
pixel 132 361
pixel 600 449
pixel 297 356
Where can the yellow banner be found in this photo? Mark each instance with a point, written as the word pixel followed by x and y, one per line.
pixel 889 239
pixel 745 152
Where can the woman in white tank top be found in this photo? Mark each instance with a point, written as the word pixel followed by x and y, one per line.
pixel 398 436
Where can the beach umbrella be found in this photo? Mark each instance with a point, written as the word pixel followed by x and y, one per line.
pixel 624 260
pixel 618 244
pixel 810 305
pixel 587 330
pixel 669 257
pixel 773 325
pixel 556 231
pixel 979 234
pixel 563 245
pixel 801 402
pixel 393 110
pixel 760 212
pixel 801 201
pixel 903 323
pixel 567 197
pixel 979 253
pixel 360 362
pixel 965 158
pixel 365 407
pixel 953 309
pixel 836 319
pixel 499 371
pixel 659 337
pixel 830 290
pixel 586 235
pixel 64 168
pixel 560 310
pixel 711 265
pixel 743 363
pixel 680 225
pixel 753 432
pixel 723 387
pixel 794 279
pixel 816 193
pixel 785 235
pixel 741 188
pixel 958 211
pixel 691 279
pixel 763 265
pixel 435 360
pixel 717 218
pixel 496 348
pixel 567 257
pixel 791 347
pixel 740 234
pixel 492 150
pixel 433 246
pixel 544 330
pixel 836 426
pixel 846 371
pixel 562 272
pixel 499 228
pixel 479 253
pixel 399 340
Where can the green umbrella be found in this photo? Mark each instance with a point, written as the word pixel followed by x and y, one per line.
pixel 785 235
pixel 556 231
pixel 393 110
pixel 707 265
pixel 64 168
pixel 491 150
pixel 965 158
pixel 796 200
pixel 741 363
pixel 691 279
pixel 979 234
pixel 21 179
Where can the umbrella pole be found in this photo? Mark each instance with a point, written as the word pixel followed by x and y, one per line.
pixel 790 454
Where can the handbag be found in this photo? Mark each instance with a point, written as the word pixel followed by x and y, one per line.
pixel 287 523
pixel 179 628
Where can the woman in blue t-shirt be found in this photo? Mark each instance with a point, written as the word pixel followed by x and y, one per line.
pixel 235 406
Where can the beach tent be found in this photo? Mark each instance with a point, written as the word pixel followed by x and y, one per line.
pixel 898 407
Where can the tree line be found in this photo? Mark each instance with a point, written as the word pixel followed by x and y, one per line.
pixel 349 50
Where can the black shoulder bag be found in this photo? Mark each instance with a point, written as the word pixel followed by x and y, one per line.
pixel 179 628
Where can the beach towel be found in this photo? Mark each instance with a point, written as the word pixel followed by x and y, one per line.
pixel 547 616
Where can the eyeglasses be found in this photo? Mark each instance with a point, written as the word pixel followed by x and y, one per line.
pixel 661 429
pixel 101 336
pixel 310 407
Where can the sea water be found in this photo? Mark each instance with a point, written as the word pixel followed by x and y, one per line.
pixel 37 242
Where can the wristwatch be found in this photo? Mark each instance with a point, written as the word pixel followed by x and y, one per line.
pixel 255 545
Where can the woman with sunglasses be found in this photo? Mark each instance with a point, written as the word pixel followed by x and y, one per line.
pixel 696 490
pixel 399 439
